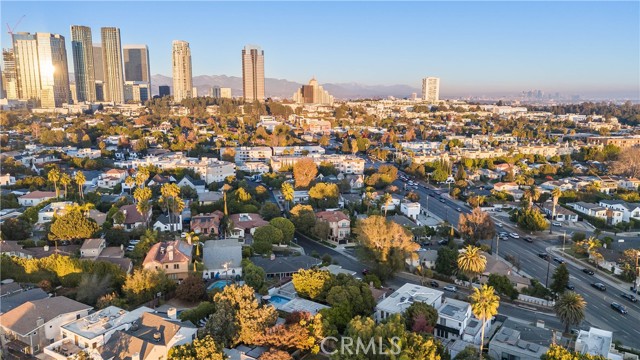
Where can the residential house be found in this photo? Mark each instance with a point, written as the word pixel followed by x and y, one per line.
pixel 627 184
pixel 33 325
pixel 222 258
pixel 629 210
pixel 425 258
pixel 562 213
pixel 518 341
pixel 14 299
pixel 410 209
pixel 499 266
pixel 165 223
pixel 36 197
pixel 453 318
pixel 254 167
pixel 197 185
pixel 110 178
pixel 244 225
pixel 489 174
pixel 132 217
pixel 12 248
pixel 209 197
pixel 91 248
pixel 58 208
pixel 159 180
pixel 598 342
pixel 173 257
pixel 149 338
pixel 556 184
pixel 207 224
pixel 610 214
pixel 7 179
pixel 284 266
pixel 505 186
pixel 339 225
pixel 407 294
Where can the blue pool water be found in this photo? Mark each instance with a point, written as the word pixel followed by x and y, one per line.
pixel 279 300
pixel 220 284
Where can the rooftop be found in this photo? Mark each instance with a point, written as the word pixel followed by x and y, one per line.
pixel 454 309
pixel 23 319
pixel 406 295
pixel 102 321
pixel 299 304
pixel 594 342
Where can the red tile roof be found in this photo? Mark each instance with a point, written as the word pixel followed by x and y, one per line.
pixel 161 252
pixel 332 216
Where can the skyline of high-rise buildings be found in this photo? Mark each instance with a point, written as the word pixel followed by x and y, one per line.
pixel 182 75
pixel 112 65
pixel 136 63
pixel 431 89
pixel 83 63
pixel 54 70
pixel 313 93
pixel 253 73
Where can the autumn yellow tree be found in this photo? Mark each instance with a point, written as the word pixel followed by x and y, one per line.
pixel 476 226
pixel 304 172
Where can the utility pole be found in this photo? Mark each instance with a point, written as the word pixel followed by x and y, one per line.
pixel 546 283
pixel 497 245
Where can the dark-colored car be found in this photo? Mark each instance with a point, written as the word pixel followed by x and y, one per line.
pixel 619 308
pixel 443 242
pixel 434 284
pixel 570 286
pixel 527 239
pixel 587 271
pixel 599 286
pixel 558 260
pixel 629 297
pixel 543 256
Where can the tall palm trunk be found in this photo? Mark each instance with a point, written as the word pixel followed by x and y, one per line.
pixel 484 324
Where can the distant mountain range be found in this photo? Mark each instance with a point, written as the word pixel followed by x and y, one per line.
pixel 284 88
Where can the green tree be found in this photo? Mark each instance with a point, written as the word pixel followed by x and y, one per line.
pixel 65 180
pixel 447 261
pixel 143 201
pixel 143 285
pixel 92 287
pixel 560 279
pixel 469 353
pixel 205 348
pixel 254 275
pixel 529 219
pixel 73 225
pixel 303 217
pixel 421 317
pixel 557 352
pixel 311 283
pixel 269 211
pixel 54 176
pixel 324 195
pixel 191 289
pixel 503 285
pixel 570 309
pixel 286 226
pixel 242 195
pixel 15 229
pixel 304 172
pixel 484 305
pixel 268 233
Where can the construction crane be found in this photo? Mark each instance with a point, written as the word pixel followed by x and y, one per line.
pixel 11 29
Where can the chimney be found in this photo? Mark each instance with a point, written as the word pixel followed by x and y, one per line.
pixel 170 253
pixel 172 313
pixel 273 256
pixel 39 321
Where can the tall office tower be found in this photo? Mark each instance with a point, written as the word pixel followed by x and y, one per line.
pixel 182 76
pixel 164 90
pixel 98 70
pixel 431 89
pixel 312 94
pixel 25 52
pixel 112 65
pixel 253 73
pixel 82 49
pixel 136 63
pixel 9 76
pixel 54 72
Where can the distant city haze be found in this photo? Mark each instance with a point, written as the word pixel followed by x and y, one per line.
pixel 475 48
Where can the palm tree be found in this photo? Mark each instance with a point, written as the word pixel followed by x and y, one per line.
pixel 65 180
pixel 555 193
pixel 142 196
pixel 570 309
pixel 484 305
pixel 192 238
pixel 385 201
pixel 141 176
pixel 170 197
pixel 80 180
pixel 225 189
pixel 129 181
pixel 287 193
pixel 471 261
pixel 54 176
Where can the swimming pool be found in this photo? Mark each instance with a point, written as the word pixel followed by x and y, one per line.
pixel 220 284
pixel 278 300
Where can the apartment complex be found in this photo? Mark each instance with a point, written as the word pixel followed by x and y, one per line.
pixel 431 89
pixel 182 76
pixel 253 73
pixel 112 65
pixel 83 64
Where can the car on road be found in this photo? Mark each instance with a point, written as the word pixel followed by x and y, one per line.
pixel 450 288
pixel 434 284
pixel 499 225
pixel 130 248
pixel 629 297
pixel 558 260
pixel 587 271
pixel 619 308
pixel 458 209
pixel 134 242
pixel 442 201
pixel 570 286
pixel 432 194
pixel 527 239
pixel 555 223
pixel 443 242
pixel 599 286
pixel 543 256
pixel 514 235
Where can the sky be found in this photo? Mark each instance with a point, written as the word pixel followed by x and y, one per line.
pixel 474 47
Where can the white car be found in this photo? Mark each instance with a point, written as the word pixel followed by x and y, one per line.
pixel 514 235
pixel 130 248
pixel 499 225
pixel 555 223
pixel 450 288
pixel 134 242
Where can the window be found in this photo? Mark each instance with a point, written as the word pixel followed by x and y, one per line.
pixel 166 266
pixel 442 321
pixel 507 356
pixel 176 266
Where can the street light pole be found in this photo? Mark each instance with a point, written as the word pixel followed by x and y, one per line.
pixel 546 283
pixel 564 239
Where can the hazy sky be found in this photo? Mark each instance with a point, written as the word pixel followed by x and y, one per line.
pixel 474 47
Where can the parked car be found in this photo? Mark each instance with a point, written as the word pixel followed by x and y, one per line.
pixel 442 200
pixel 434 284
pixel 499 225
pixel 558 260
pixel 587 271
pixel 570 286
pixel 527 239
pixel 629 297
pixel 443 242
pixel 555 223
pixel 543 256
pixel 599 286
pixel 134 242
pixel 458 209
pixel 130 248
pixel 514 235
pixel 450 288
pixel 619 308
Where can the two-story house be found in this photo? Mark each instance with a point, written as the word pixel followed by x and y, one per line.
pixel 173 257
pixel 35 324
pixel 58 208
pixel 91 248
pixel 35 197
pixel 339 225
pixel 407 294
pixel 207 224
pixel 197 185
pixel 132 217
pixel 610 214
pixel 629 210
pixel 245 224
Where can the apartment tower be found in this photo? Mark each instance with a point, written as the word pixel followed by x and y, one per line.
pixel 25 52
pixel 253 73
pixel 83 65
pixel 9 76
pixel 54 70
pixel 431 89
pixel 112 65
pixel 182 75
